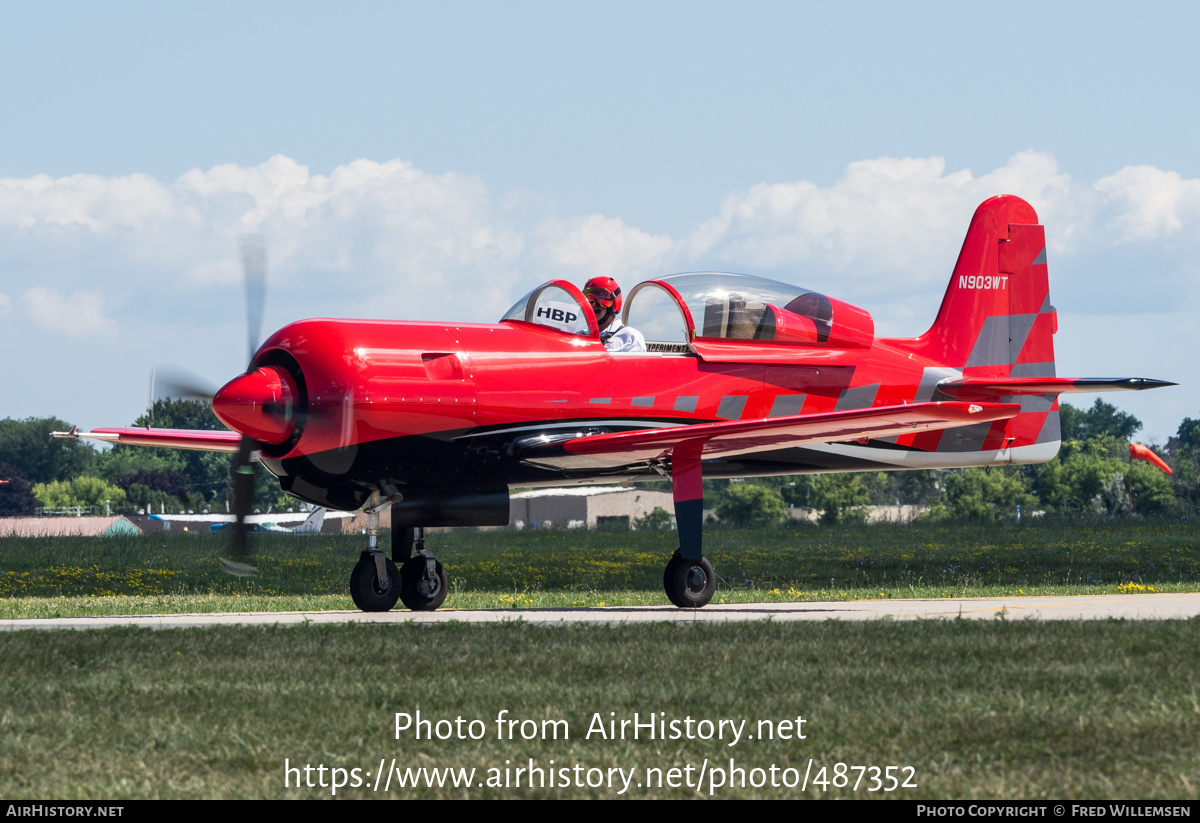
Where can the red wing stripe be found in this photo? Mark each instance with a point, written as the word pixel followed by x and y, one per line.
pixel 195 439
pixel 746 436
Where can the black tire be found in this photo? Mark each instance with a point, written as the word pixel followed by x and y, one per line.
pixel 414 591
pixel 690 584
pixel 669 577
pixel 365 590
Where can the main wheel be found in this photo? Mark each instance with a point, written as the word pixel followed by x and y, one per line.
pixel 669 577
pixel 418 592
pixel 689 584
pixel 365 588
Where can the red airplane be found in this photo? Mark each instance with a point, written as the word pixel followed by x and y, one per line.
pixel 743 377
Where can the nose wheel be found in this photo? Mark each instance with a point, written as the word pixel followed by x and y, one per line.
pixel 423 582
pixel 375 583
pixel 689 584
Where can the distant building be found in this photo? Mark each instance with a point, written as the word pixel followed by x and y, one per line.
pixel 585 507
pixel 335 522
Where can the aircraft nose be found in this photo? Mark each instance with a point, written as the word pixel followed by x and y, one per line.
pixel 259 404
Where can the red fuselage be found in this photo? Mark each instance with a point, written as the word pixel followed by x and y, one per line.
pixel 438 406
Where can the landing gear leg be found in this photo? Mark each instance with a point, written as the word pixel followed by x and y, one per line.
pixel 689 579
pixel 403 538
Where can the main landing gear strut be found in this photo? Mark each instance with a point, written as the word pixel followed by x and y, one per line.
pixel 376 583
pixel 689 579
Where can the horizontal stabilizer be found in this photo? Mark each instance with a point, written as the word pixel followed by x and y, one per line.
pixel 747 436
pixel 193 439
pixel 979 387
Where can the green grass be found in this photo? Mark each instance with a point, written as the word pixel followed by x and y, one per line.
pixel 178 573
pixel 979 710
pixel 994 709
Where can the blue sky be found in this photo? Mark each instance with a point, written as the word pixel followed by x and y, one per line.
pixel 434 161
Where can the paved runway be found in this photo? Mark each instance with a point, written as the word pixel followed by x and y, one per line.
pixel 1100 607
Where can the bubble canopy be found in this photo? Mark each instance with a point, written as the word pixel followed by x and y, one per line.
pixel 678 309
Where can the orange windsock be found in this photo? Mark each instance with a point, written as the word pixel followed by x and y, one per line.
pixel 1139 452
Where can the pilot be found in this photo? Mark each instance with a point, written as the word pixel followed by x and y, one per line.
pixel 605 296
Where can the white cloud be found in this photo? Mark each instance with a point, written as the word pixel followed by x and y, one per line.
pixel 99 204
pixel 80 315
pixel 882 216
pixel 595 246
pixel 1147 203
pixel 387 239
pixel 385 236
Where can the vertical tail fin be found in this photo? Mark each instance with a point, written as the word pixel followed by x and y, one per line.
pixel 996 319
pixel 313 523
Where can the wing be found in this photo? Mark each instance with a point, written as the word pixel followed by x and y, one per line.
pixel 746 436
pixel 194 439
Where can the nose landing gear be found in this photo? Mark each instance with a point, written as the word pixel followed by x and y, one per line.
pixel 376 584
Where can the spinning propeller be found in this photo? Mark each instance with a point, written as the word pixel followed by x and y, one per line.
pixel 254 273
pixel 240 402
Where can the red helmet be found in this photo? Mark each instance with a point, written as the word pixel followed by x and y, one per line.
pixel 605 292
